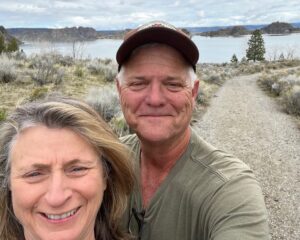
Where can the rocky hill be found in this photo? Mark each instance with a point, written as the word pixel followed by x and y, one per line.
pixel 279 28
pixel 273 28
pixel 6 36
pixel 230 31
pixel 54 35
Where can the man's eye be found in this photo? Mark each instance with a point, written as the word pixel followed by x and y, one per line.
pixel 137 85
pixel 174 86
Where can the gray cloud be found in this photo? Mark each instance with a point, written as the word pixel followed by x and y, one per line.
pixel 120 14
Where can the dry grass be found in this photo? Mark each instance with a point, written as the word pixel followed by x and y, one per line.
pixel 77 77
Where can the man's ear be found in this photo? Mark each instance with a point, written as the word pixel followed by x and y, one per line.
pixel 195 89
pixel 118 85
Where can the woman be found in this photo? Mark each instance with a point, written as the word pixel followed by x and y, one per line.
pixel 63 174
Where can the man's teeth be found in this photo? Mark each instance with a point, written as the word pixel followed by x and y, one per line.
pixel 61 216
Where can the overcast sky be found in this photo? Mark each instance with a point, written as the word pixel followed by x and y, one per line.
pixel 121 14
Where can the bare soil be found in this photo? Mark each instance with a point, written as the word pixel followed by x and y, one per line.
pixel 246 122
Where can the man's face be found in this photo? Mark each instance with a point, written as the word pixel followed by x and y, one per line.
pixel 156 94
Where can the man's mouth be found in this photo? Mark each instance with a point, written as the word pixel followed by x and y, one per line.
pixel 61 216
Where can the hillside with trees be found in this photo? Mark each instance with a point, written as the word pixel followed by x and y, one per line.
pixel 235 31
pixel 280 28
pixel 230 31
pixel 54 35
pixel 8 43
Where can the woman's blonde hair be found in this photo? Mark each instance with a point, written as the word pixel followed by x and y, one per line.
pixel 64 112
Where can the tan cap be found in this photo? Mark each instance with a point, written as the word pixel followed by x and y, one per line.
pixel 158 32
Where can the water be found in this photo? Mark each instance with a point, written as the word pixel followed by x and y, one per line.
pixel 212 50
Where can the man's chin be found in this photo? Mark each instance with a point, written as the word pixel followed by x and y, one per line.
pixel 153 135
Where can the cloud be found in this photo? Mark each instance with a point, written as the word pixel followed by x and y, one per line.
pixel 120 14
pixel 21 8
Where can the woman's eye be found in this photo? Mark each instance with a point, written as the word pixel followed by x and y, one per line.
pixel 34 176
pixel 77 171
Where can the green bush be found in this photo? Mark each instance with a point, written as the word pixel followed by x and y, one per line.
pixel 37 93
pixel 105 101
pixel 202 97
pixel 103 67
pixel 3 114
pixel 7 69
pixel 267 81
pixel 291 100
pixel 119 125
pixel 46 71
pixel 79 71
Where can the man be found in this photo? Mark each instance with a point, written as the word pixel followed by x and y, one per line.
pixel 186 188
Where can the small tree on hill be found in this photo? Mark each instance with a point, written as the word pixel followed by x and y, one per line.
pixel 2 44
pixel 234 59
pixel 256 47
pixel 12 46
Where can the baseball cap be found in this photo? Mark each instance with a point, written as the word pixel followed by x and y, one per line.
pixel 158 32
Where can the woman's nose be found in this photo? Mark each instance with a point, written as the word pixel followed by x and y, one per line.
pixel 58 191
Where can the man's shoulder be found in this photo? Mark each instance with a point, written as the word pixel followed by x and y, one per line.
pixel 218 162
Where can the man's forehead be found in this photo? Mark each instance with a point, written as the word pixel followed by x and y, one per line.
pixel 157 53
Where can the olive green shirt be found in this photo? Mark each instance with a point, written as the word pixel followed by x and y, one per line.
pixel 208 194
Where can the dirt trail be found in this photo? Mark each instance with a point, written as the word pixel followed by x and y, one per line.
pixel 244 121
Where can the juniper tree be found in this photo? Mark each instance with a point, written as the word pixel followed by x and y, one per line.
pixel 12 46
pixel 256 47
pixel 2 44
pixel 234 59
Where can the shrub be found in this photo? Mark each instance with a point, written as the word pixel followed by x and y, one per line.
pixel 214 79
pixel 267 81
pixel 78 71
pixel 106 68
pixel 119 125
pixel 291 100
pixel 46 71
pixel 7 69
pixel 3 114
pixel 37 93
pixel 105 101
pixel 202 97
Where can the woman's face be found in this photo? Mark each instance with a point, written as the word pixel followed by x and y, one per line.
pixel 57 184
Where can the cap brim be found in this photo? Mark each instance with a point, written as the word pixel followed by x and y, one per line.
pixel 163 35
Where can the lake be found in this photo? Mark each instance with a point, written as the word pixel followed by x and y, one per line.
pixel 212 50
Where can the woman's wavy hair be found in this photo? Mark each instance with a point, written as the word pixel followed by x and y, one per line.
pixel 65 112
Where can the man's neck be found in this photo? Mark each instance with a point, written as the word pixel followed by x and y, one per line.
pixel 162 154
pixel 157 161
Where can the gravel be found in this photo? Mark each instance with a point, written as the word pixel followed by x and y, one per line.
pixel 246 122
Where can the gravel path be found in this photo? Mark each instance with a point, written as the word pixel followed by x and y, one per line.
pixel 246 122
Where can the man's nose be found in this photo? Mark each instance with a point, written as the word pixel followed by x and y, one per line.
pixel 58 191
pixel 155 95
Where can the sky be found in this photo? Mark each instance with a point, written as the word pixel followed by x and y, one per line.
pixel 122 14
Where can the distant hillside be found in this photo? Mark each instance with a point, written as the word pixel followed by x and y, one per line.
pixel 280 28
pixel 273 28
pixel 7 37
pixel 230 31
pixel 86 33
pixel 113 34
pixel 54 35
